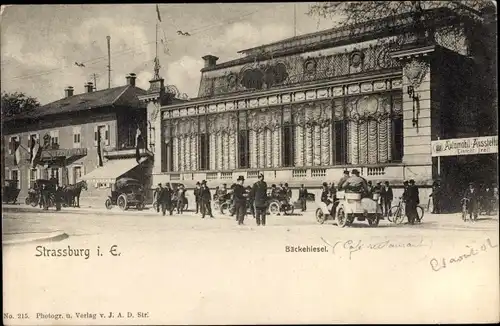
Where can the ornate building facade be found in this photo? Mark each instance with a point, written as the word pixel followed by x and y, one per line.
pixel 304 109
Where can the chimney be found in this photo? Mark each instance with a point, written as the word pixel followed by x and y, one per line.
pixel 131 79
pixel 210 61
pixel 68 91
pixel 89 87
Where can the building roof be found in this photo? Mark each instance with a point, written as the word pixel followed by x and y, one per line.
pixel 120 96
pixel 335 37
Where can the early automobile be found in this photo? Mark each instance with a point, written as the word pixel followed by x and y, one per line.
pixel 35 193
pixel 10 191
pixel 348 207
pixel 127 193
pixel 279 204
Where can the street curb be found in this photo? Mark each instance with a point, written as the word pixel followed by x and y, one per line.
pixel 41 237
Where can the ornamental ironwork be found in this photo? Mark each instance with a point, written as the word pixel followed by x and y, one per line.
pixel 295 69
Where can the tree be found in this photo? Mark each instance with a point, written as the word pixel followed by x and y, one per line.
pixel 16 103
pixel 417 14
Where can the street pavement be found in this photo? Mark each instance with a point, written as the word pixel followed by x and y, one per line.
pixel 185 270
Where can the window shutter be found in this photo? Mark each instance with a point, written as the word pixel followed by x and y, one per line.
pixel 106 137
pixel 95 135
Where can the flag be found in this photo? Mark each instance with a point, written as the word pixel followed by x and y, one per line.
pixel 17 152
pixel 158 12
pixel 99 149
pixel 138 141
pixel 35 154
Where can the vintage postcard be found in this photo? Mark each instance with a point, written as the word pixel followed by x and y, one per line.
pixel 250 163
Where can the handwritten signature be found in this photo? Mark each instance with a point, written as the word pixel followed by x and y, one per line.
pixel 442 263
pixel 355 246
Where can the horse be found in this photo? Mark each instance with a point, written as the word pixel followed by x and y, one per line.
pixel 72 193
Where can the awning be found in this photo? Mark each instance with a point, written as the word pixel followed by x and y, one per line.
pixel 112 170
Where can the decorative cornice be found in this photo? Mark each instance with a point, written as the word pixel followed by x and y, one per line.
pixel 265 100
pixel 413 52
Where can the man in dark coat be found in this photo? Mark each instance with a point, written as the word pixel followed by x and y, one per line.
pixel 259 191
pixel 59 197
pixel 436 198
pixel 240 200
pixel 343 180
pixel 250 200
pixel 303 197
pixel 166 199
pixel 206 200
pixel 386 196
pixel 411 202
pixel 472 194
pixel 156 197
pixel 197 196
pixel 181 198
pixel 325 193
pixel 45 197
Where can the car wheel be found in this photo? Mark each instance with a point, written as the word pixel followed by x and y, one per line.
pixel 341 218
pixel 108 204
pixel 320 216
pixel 274 208
pixel 122 202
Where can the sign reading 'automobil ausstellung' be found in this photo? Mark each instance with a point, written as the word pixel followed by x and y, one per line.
pixel 465 146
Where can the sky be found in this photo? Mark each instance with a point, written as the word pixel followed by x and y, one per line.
pixel 41 43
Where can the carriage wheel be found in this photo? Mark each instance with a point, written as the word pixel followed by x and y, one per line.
pixel 320 216
pixel 108 203
pixel 373 221
pixel 341 218
pixel 274 208
pixel 289 210
pixel 122 202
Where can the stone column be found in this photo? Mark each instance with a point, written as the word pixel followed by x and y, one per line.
pixel 232 150
pixel 269 148
pixel 276 135
pixel 317 146
pixel 417 112
pixel 253 149
pixel 325 145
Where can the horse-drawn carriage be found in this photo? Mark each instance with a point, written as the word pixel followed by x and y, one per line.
pixel 127 193
pixel 10 191
pixel 35 193
pixel 350 206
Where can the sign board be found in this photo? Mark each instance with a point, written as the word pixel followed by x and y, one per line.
pixel 465 146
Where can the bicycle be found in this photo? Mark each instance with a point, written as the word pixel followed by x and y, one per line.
pixel 465 210
pixel 397 213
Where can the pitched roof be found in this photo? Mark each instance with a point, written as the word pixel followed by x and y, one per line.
pixel 123 95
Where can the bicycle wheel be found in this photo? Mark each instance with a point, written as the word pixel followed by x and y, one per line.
pixel 395 214
pixel 420 213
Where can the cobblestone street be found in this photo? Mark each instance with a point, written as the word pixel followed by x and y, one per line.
pixel 214 271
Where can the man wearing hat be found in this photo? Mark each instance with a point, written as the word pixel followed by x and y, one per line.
pixel 165 199
pixel 356 183
pixel 240 200
pixel 259 191
pixel 303 197
pixel 206 200
pixel 156 197
pixel 411 202
pixel 197 196
pixel 343 179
